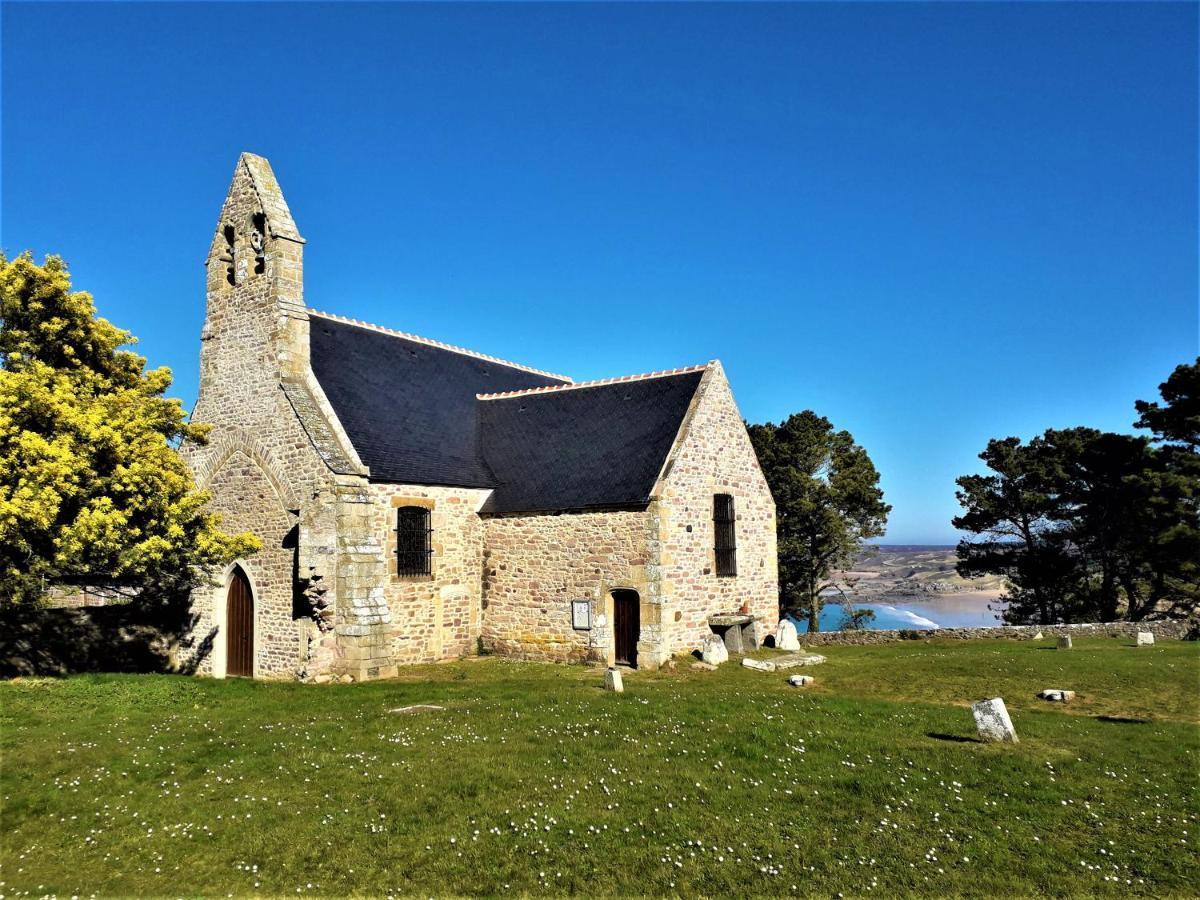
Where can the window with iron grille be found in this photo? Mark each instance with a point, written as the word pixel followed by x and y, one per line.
pixel 414 546
pixel 724 534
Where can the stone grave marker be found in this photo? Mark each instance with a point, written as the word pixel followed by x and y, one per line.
pixel 715 652
pixel 991 718
pixel 612 680
pixel 1064 642
pixel 1145 639
pixel 800 680
pixel 786 637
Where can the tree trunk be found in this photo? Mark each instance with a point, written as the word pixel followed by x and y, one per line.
pixel 814 609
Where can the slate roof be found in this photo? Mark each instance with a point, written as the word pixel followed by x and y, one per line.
pixel 419 412
pixel 585 446
pixel 408 405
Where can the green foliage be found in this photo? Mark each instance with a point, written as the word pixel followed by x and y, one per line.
pixel 1089 525
pixel 154 786
pixel 857 619
pixel 91 488
pixel 827 502
pixel 1177 420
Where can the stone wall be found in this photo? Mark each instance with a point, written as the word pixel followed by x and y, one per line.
pixel 715 456
pixel 1176 629
pixel 437 616
pixel 535 565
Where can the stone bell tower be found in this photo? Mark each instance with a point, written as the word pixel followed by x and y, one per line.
pixel 277 462
pixel 255 323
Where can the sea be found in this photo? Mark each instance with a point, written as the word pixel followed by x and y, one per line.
pixel 968 610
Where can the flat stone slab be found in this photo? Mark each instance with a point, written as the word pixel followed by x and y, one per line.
pixel 800 680
pixel 792 660
pixel 1145 639
pixel 1057 695
pixel 761 664
pixel 722 620
pixel 703 666
pixel 416 708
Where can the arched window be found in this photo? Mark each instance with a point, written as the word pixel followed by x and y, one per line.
pixel 725 534
pixel 414 546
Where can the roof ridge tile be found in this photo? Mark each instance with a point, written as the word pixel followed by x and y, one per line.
pixel 439 344
pixel 598 382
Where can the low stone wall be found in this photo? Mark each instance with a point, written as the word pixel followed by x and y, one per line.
pixel 1171 629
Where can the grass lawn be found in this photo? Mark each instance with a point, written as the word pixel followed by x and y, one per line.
pixel 535 781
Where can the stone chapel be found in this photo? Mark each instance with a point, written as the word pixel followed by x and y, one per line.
pixel 418 502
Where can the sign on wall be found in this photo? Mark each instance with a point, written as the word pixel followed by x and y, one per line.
pixel 581 615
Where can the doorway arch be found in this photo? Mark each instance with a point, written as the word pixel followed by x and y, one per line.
pixel 627 626
pixel 239 625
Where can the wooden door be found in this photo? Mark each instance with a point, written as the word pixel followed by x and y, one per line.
pixel 627 626
pixel 239 627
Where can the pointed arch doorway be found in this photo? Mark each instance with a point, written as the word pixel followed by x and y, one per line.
pixel 239 626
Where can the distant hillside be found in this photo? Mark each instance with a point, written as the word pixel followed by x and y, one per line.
pixel 910 570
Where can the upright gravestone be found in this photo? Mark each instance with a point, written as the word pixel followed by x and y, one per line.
pixel 612 681
pixel 1064 642
pixel 714 652
pixel 1145 639
pixel 786 637
pixel 991 718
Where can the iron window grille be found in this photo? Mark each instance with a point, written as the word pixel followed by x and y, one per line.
pixel 414 541
pixel 725 534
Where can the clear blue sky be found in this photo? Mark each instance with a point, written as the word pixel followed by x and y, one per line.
pixel 934 224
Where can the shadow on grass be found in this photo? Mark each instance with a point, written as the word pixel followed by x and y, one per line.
pixel 954 738
pixel 1122 720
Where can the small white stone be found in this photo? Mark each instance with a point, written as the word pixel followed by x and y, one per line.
pixel 1057 695
pixel 800 680
pixel 1145 639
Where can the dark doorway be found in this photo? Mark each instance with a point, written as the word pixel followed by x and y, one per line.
pixel 239 626
pixel 627 625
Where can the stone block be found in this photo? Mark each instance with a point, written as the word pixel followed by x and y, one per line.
pixel 714 652
pixel 749 637
pixel 1145 639
pixel 612 680
pixel 992 721
pixel 800 680
pixel 786 637
pixel 1064 642
pixel 733 639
